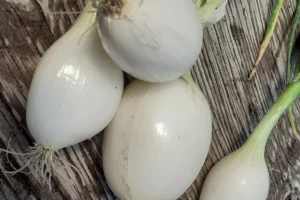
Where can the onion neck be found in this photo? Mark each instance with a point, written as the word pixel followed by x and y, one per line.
pixel 261 133
pixel 112 8
pixel 210 11
pixel 187 76
pixel 199 3
pixel 87 18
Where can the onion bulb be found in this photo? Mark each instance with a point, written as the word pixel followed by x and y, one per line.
pixel 152 40
pixel 74 94
pixel 158 140
pixel 76 88
pixel 243 174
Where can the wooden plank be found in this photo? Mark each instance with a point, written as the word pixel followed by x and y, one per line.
pixel 229 50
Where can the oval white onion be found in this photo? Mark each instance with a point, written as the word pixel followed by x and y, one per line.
pixel 153 40
pixel 158 140
pixel 75 90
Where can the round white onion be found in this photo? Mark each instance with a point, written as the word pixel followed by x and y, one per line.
pixel 158 140
pixel 243 175
pixel 153 40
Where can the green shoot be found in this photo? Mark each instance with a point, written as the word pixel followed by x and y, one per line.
pixel 288 70
pixel 270 29
pixel 203 2
pixel 291 40
pixel 297 68
pixel 262 131
pixel 210 11
pixel 199 3
pixel 296 78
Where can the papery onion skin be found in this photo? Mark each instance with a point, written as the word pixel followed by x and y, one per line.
pixel 152 40
pixel 158 140
pixel 239 176
pixel 75 90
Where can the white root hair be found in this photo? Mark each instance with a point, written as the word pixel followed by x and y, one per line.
pixel 41 161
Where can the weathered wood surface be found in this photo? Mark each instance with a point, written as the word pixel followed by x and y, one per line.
pixel 229 50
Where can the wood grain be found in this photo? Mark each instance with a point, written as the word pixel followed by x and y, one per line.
pixel 228 54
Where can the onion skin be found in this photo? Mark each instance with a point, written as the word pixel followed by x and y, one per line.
pixel 158 140
pixel 76 88
pixel 239 176
pixel 152 40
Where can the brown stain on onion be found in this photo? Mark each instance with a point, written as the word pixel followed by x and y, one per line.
pixel 111 8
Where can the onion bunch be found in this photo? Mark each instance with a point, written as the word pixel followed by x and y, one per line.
pixel 159 135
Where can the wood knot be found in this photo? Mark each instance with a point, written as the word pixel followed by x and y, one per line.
pixel 111 8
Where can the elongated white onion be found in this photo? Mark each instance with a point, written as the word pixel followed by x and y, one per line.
pixel 244 174
pixel 75 90
pixel 153 40
pixel 157 143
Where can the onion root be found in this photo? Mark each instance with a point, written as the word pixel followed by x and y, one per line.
pixel 40 160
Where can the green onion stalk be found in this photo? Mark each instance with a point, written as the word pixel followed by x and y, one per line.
pixel 288 70
pixel 262 132
pixel 269 32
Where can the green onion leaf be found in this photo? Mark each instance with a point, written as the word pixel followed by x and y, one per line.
pixel 270 29
pixel 288 69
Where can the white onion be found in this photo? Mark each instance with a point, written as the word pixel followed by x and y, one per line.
pixel 75 90
pixel 153 40
pixel 242 175
pixel 74 94
pixel 158 141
